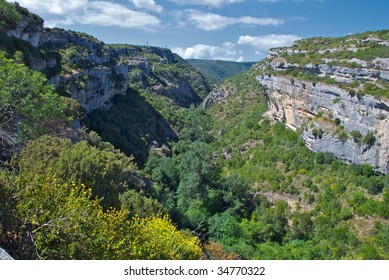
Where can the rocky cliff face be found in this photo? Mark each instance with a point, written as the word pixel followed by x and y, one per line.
pixel 131 95
pixel 92 73
pixel 334 91
pixel 333 102
pixel 332 120
pixel 29 28
pixel 219 94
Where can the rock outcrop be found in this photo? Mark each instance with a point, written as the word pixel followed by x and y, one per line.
pixel 332 120
pixel 28 29
pixel 4 255
pixel 330 103
pixel 92 72
pixel 219 94
pixel 334 91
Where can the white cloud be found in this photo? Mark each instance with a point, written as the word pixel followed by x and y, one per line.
pixel 226 51
pixel 148 5
pixel 260 21
pixel 108 14
pixel 212 3
pixel 211 21
pixel 60 12
pixel 56 11
pixel 264 43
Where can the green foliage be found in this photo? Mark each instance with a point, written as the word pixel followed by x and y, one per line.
pixel 282 167
pixel 27 94
pixel 368 138
pixel 273 222
pixel 227 174
pixel 302 226
pixel 9 15
pixel 357 136
pixel 141 206
pixel 106 172
pixel 375 90
pixel 63 222
pixel 343 135
pixel 132 125
pixel 29 107
pixel 41 155
pixel 337 52
pixel 196 197
pixel 366 50
pixel 197 125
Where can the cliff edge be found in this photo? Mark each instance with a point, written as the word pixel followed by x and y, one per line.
pixel 336 90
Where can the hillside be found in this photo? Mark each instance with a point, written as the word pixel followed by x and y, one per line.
pixel 109 80
pixel 107 153
pixel 268 120
pixel 217 71
pixel 339 87
pixel 333 89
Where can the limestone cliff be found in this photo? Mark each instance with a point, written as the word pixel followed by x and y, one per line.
pixel 339 101
pixel 92 72
pixel 335 91
pixel 131 95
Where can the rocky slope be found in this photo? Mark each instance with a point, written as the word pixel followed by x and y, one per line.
pixel 91 72
pixel 335 91
pixel 131 95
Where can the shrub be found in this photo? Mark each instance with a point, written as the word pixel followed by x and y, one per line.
pixel 30 98
pixel 343 136
pixel 107 173
pixel 369 139
pixel 357 136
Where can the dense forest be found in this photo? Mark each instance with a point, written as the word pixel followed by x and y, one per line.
pixel 230 184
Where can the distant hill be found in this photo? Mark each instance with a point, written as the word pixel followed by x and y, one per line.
pixel 218 70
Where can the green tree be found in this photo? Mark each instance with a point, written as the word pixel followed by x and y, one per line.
pixel 29 107
pixel 9 15
pixel 107 172
pixel 62 221
pixel 41 155
pixel 198 196
pixel 139 205
pixel 301 226
pixel 273 222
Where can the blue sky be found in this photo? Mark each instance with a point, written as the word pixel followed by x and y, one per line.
pixel 237 30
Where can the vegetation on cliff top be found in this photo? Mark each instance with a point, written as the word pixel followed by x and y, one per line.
pixel 352 52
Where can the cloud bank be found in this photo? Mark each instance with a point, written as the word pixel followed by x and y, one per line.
pixel 263 43
pixel 226 51
pixel 103 13
pixel 211 21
